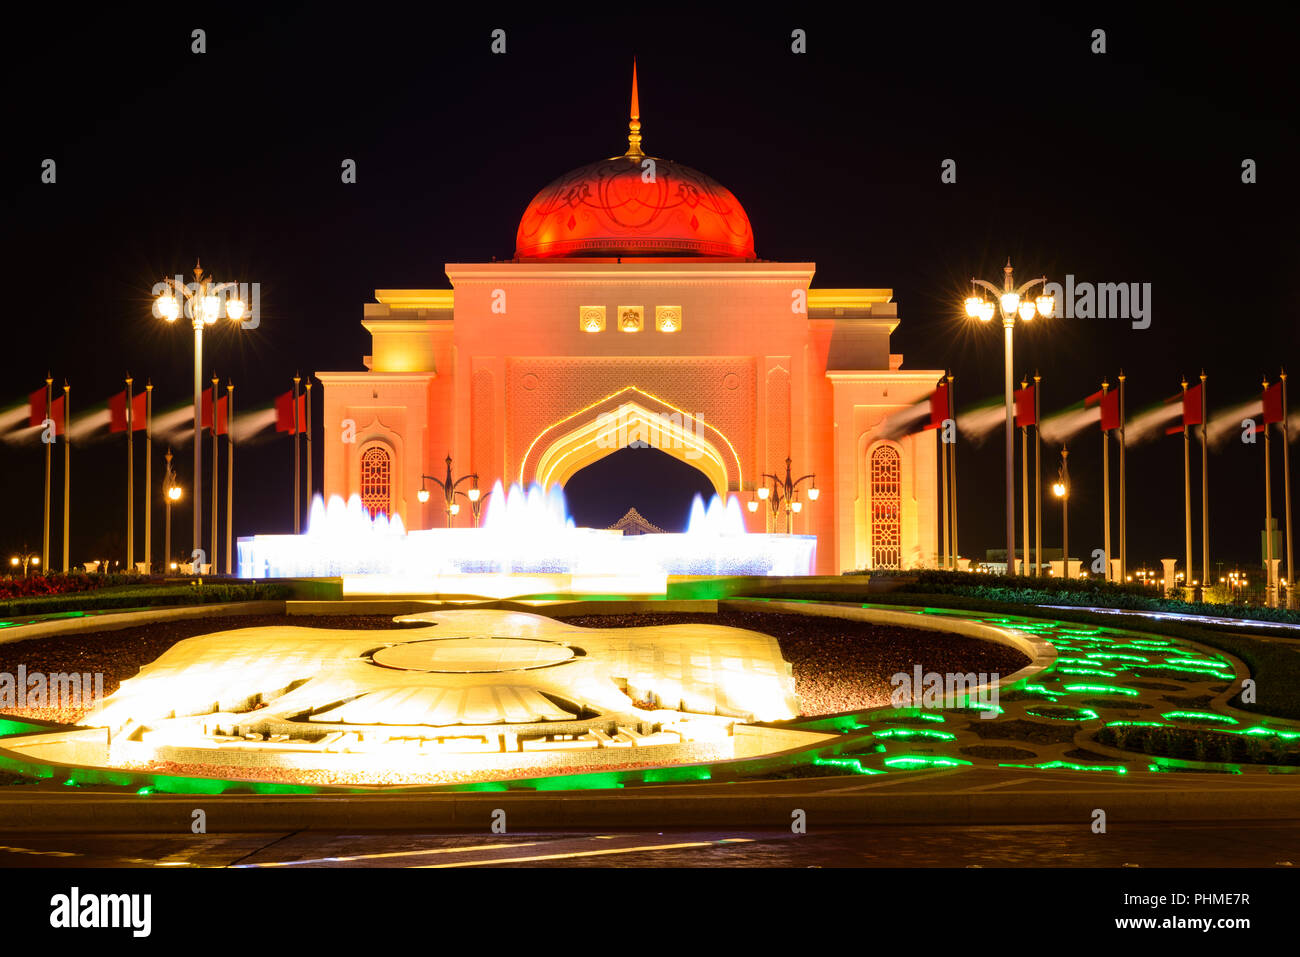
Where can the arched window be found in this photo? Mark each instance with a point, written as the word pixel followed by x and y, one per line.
pixel 886 508
pixel 376 481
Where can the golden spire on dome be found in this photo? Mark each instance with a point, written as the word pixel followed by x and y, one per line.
pixel 634 124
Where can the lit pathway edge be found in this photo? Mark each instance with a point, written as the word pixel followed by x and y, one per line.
pixel 968 796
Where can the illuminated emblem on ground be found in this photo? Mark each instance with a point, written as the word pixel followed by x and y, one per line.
pixel 476 695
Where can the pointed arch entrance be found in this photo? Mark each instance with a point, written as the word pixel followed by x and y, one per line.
pixel 628 418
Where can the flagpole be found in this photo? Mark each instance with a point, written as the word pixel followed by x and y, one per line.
pixel 297 477
pixel 1268 511
pixel 68 464
pixel 307 411
pixel 1286 479
pixel 130 477
pixel 1105 472
pixel 230 474
pixel 216 476
pixel 1024 485
pixel 148 475
pixel 1038 482
pixel 1187 490
pixel 1123 537
pixel 49 415
pixel 952 471
pixel 943 460
pixel 1205 489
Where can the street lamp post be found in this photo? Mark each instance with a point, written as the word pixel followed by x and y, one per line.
pixel 171 493
pixel 204 303
pixel 783 495
pixel 1062 491
pixel 1012 303
pixel 27 558
pixel 450 491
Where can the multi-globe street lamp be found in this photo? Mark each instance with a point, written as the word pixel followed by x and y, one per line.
pixel 1013 303
pixel 171 493
pixel 783 495
pixel 25 559
pixel 205 301
pixel 1061 489
pixel 450 490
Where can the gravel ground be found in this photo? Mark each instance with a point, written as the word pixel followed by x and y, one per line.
pixel 838 665
pixel 119 655
pixel 842 665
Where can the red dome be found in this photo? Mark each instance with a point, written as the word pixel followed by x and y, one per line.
pixel 606 209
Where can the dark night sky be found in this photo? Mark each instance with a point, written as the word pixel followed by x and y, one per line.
pixel 1121 167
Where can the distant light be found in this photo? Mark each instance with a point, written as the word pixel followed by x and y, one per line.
pixel 762 493
pixel 1046 306
pixel 423 495
pixel 235 309
pixel 752 505
pixel 1010 303
pixel 986 311
pixel 973 306
pixel 813 493
pixel 474 494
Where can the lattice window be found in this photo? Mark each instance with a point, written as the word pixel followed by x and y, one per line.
pixel 376 481
pixel 886 508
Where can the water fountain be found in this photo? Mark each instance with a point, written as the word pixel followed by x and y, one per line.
pixel 528 544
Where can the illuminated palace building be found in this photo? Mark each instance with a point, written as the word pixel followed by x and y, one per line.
pixel 635 306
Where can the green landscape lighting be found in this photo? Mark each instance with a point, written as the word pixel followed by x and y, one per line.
pixel 910 762
pixel 1106 655
pixel 1101 689
pixel 853 764
pixel 1068 766
pixel 908 734
pixel 1097 672
pixel 1134 724
pixel 1262 732
pixel 1077 714
pixel 1197 716
pixel 1203 662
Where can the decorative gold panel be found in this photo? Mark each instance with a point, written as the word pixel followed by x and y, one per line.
pixel 591 318
pixel 668 318
pixel 631 318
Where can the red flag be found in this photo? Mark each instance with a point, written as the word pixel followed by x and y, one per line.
pixel 139 414
pixel 117 412
pixel 206 421
pixel 1192 406
pixel 1273 411
pixel 284 413
pixel 940 410
pixel 1094 398
pixel 37 412
pixel 1173 430
pixel 221 416
pixel 1110 411
pixel 56 413
pixel 1025 407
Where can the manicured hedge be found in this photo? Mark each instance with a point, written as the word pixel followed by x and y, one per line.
pixel 1021 589
pixel 1202 745
pixel 138 596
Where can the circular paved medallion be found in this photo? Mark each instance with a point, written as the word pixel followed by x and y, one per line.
pixel 468 656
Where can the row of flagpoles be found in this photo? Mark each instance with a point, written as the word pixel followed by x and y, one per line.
pixel 1192 409
pixel 130 412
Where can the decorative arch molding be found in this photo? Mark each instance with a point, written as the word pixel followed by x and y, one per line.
pixel 376 432
pixel 590 434
pixel 883 478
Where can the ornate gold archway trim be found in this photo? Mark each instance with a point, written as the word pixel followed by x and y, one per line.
pixel 707 447
pixel 599 437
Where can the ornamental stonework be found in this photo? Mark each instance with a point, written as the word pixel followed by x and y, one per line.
pixel 563 386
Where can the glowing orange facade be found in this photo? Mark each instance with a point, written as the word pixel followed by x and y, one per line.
pixel 636 307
